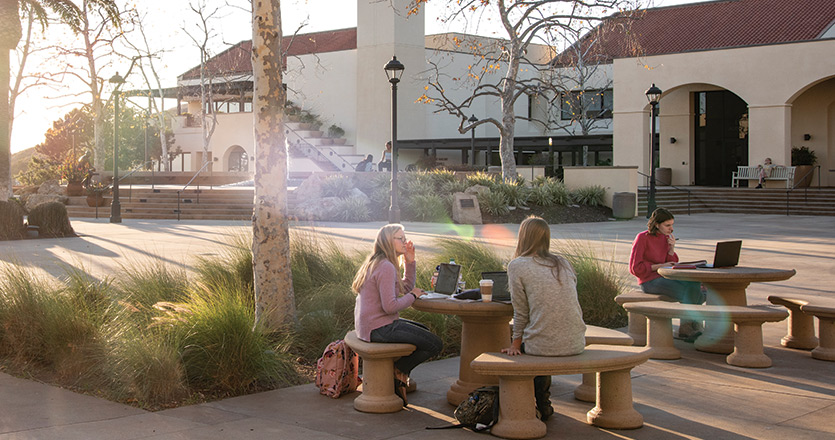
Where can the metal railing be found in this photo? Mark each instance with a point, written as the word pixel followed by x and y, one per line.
pixel 805 189
pixel 135 169
pixel 316 152
pixel 689 193
pixel 179 191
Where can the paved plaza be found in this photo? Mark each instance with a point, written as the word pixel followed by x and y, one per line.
pixel 697 396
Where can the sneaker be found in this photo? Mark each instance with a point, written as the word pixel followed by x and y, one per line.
pixel 759 186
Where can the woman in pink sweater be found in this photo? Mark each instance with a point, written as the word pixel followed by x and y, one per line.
pixel 382 294
pixel 656 248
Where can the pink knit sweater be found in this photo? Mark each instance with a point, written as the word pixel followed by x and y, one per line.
pixel 647 250
pixel 378 303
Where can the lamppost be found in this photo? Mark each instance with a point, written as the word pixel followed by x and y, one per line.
pixel 394 70
pixel 472 122
pixel 115 206
pixel 653 95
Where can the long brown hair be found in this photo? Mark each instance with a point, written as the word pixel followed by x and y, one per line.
pixel 660 215
pixel 535 241
pixel 383 251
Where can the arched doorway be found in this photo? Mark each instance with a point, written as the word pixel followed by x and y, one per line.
pixel 238 160
pixel 721 136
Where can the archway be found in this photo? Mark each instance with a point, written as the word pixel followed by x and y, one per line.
pixel 720 134
pixel 238 160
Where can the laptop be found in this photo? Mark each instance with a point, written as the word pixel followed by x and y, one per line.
pixel 725 255
pixel 501 292
pixel 447 282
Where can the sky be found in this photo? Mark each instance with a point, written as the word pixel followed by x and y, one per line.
pixel 166 28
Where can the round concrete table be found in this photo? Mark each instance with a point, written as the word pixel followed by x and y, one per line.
pixel 725 287
pixel 485 327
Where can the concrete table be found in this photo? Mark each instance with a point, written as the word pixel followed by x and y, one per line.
pixel 485 328
pixel 725 287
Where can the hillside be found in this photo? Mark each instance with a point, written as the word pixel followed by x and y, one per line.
pixel 20 160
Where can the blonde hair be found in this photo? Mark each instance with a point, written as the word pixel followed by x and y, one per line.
pixel 535 241
pixel 383 251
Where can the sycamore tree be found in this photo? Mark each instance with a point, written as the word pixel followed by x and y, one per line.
pixel 10 34
pixel 274 300
pixel 517 64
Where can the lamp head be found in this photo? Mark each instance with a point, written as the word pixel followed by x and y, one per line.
pixel 116 79
pixel 394 70
pixel 653 94
pixel 472 119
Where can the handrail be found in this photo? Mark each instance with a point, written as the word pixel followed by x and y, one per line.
pixel 135 169
pixel 689 193
pixel 805 189
pixel 345 165
pixel 179 191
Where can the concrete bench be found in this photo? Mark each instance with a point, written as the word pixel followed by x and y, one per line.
pixel 637 327
pixel 777 173
pixel 826 329
pixel 377 374
pixel 748 334
pixel 517 411
pixel 587 390
pixel 800 332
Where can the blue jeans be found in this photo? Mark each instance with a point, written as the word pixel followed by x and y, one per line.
pixel 685 292
pixel 409 332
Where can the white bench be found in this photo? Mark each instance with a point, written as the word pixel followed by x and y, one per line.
pixel 637 327
pixel 587 390
pixel 517 411
pixel 377 374
pixel 748 334
pixel 753 173
pixel 826 329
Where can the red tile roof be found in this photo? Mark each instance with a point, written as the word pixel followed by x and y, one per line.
pixel 237 59
pixel 722 24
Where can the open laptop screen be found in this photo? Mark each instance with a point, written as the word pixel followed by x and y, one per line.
pixel 447 282
pixel 501 292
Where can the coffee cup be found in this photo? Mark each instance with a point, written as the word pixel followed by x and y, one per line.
pixel 486 287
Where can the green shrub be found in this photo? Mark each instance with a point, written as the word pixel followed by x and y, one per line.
pixel 550 192
pixel 493 202
pixel 427 208
pixel 482 178
pixel 442 177
pixel 589 195
pixel 599 280
pixel 11 220
pixel 515 194
pixel 420 184
pixel 453 186
pixel 140 286
pixel 473 256
pixel 351 209
pixel 51 219
pixel 337 185
pixel 230 270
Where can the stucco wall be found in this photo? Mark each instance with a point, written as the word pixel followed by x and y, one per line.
pixel 612 179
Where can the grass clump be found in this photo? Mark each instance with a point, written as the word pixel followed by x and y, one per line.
pixel 428 208
pixel 351 209
pixel 493 202
pixel 599 281
pixel 337 185
pixel 11 220
pixel 482 178
pixel 589 195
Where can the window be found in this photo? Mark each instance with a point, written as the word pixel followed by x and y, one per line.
pixel 597 104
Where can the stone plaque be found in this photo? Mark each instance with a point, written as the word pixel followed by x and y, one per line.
pixel 465 209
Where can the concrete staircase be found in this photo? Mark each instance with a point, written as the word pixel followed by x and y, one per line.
pixel 814 201
pixel 144 203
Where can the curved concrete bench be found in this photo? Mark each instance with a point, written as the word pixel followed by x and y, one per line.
pixel 637 327
pixel 377 374
pixel 800 332
pixel 587 390
pixel 517 412
pixel 748 336
pixel 825 313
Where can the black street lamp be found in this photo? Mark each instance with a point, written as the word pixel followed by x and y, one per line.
pixel 115 206
pixel 653 95
pixel 472 122
pixel 394 70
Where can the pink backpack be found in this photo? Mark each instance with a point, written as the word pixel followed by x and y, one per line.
pixel 337 370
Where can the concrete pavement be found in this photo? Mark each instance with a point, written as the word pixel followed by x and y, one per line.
pixel 698 396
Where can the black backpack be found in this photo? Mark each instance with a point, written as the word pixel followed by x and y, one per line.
pixel 479 411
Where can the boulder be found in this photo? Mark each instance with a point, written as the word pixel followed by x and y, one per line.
pixel 33 200
pixel 477 190
pixel 51 187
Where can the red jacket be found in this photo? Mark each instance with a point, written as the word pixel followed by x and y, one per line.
pixel 648 250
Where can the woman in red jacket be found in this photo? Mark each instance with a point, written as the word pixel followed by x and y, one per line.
pixel 654 249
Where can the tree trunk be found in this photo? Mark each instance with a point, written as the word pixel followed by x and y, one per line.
pixel 274 299
pixel 10 33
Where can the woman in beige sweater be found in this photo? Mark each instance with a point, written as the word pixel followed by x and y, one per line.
pixel 547 319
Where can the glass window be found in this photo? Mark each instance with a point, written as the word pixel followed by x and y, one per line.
pixel 597 104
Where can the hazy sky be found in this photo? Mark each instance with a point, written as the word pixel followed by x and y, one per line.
pixel 39 107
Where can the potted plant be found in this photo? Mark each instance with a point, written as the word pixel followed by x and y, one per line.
pixel 803 161
pixel 74 173
pixel 336 132
pixel 96 192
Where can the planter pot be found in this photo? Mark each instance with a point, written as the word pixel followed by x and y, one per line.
pixel 799 172
pixel 305 126
pixel 96 200
pixel 340 141
pixel 294 118
pixel 74 189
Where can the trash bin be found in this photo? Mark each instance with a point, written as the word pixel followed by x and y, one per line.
pixel 623 205
pixel 663 176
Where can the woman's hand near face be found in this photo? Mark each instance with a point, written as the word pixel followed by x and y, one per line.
pixel 671 241
pixel 409 255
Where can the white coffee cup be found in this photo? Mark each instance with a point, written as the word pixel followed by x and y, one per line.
pixel 486 287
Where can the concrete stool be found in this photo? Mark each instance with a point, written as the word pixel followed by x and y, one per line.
pixel 800 332
pixel 826 329
pixel 587 391
pixel 637 328
pixel 377 374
